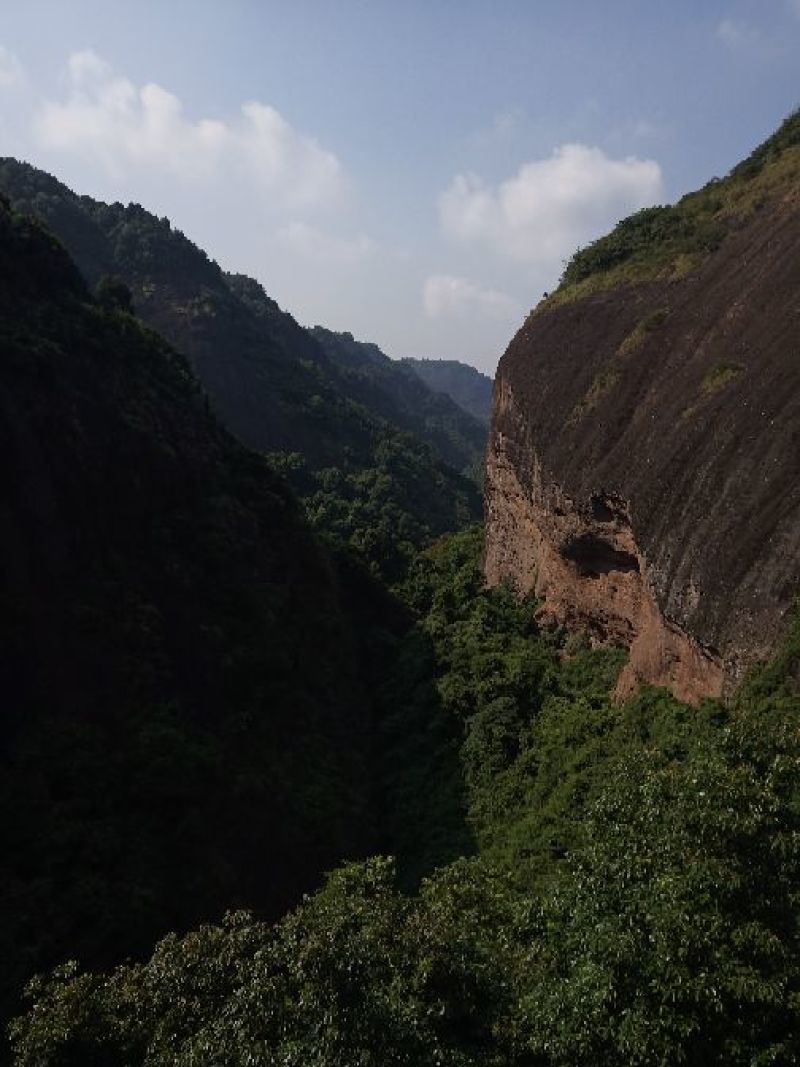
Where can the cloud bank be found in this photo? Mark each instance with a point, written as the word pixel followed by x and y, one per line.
pixel 551 206
pixel 121 128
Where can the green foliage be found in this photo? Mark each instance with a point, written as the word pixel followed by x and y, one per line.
pixel 686 228
pixel 604 382
pixel 669 936
pixel 388 507
pixel 113 294
pixel 785 137
pixel 356 975
pixel 490 701
pixel 674 937
pixel 649 324
pixel 720 376
pixel 635 900
pixel 670 237
pixel 393 390
pixel 185 728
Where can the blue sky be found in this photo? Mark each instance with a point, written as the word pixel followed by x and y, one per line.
pixel 413 172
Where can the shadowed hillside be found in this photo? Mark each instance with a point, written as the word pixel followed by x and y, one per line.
pixel 394 390
pixel 184 727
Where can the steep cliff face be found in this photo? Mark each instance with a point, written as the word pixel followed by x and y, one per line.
pixel 643 462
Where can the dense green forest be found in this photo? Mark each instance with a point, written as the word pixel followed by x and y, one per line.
pixel 185 724
pixel 627 892
pixel 395 390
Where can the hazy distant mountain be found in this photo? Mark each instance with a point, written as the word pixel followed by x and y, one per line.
pixel 470 389
pixel 394 390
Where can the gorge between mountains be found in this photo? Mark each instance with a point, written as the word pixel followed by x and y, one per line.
pixel 338 736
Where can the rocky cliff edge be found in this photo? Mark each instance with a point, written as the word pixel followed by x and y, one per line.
pixel 643 472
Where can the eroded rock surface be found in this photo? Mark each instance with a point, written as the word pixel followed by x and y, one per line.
pixel 643 469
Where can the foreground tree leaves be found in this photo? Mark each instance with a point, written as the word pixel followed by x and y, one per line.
pixel 675 936
pixel 358 974
pixel 670 937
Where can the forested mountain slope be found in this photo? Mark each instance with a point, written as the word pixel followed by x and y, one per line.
pixel 393 389
pixel 183 725
pixel 470 389
pixel 635 900
pixel 343 444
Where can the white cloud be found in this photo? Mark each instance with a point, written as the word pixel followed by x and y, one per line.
pixel 121 127
pixel 446 296
pixel 321 247
pixel 551 206
pixel 11 72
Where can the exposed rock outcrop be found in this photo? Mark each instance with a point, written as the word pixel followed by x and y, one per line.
pixel 643 471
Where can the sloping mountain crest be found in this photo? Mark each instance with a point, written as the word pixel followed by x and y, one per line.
pixel 366 456
pixel 470 389
pixel 394 390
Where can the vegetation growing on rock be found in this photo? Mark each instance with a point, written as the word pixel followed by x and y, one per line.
pixel 673 239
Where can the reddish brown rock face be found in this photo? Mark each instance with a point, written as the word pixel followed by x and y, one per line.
pixel 590 575
pixel 643 471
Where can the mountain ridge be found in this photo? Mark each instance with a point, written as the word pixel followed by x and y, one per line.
pixel 272 383
pixel 463 383
pixel 396 390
